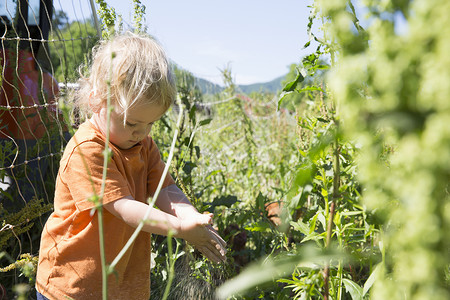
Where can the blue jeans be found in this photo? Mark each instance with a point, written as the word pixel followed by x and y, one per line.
pixel 39 296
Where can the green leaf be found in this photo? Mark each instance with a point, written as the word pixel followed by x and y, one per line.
pixel 215 172
pixel 188 167
pixel 322 220
pixel 314 237
pixel 282 96
pixel 323 120
pixel 353 288
pixel 187 141
pixel 260 200
pixel 164 122
pixel 259 227
pixel 310 58
pixel 310 89
pixel 192 112
pixel 204 122
pixel 290 86
pixel 369 282
pixel 270 269
pixel 300 226
pixel 227 201
pixel 197 151
pixel 199 264
pixel 303 177
pixel 312 223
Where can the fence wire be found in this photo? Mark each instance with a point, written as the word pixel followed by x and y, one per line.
pixel 41 48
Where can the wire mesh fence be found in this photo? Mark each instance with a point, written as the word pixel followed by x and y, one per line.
pixel 41 50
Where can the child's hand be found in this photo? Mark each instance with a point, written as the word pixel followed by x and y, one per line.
pixel 198 231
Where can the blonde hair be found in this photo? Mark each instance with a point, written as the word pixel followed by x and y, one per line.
pixel 137 69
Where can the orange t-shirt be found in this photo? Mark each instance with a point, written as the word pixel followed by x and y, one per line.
pixel 69 256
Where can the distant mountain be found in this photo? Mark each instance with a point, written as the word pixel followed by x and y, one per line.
pixel 210 88
pixel 274 86
pixel 207 87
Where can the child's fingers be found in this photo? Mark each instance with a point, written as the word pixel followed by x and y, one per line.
pixel 211 216
pixel 210 254
pixel 223 244
pixel 206 219
pixel 218 250
pixel 216 246
pixel 211 222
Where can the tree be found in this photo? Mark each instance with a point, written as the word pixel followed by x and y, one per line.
pixel 60 19
pixel 187 85
pixel 73 44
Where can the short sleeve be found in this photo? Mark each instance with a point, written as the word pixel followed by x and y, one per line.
pixel 83 175
pixel 155 169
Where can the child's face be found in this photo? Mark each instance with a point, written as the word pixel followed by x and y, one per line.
pixel 138 125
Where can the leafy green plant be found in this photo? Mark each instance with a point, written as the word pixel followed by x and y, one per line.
pixel 20 232
pixel 70 47
pixel 109 17
pixel 391 94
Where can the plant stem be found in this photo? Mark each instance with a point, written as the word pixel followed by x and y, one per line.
pixel 336 182
pixel 99 207
pixel 171 264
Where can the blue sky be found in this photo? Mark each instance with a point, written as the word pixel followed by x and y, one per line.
pixel 258 39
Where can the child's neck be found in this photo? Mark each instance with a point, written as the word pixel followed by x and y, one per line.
pixel 96 122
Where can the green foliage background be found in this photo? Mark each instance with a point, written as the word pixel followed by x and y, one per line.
pixel 73 45
pixel 393 92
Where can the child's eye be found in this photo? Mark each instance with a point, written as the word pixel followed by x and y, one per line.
pixel 130 125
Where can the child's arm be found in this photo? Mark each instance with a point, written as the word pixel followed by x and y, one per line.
pixel 173 201
pixel 195 229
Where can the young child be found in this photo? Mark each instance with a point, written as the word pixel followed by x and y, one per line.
pixel 141 89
